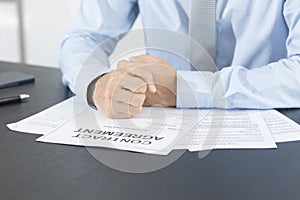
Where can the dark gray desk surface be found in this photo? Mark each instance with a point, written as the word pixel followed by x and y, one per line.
pixel 31 170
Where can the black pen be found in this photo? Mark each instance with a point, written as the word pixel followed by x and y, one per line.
pixel 14 99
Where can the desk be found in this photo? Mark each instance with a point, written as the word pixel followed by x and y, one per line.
pixel 31 170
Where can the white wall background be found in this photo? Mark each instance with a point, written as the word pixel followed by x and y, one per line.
pixel 9 39
pixel 45 23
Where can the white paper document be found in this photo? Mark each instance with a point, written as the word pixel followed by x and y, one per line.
pixel 50 119
pixel 160 130
pixel 232 129
pixel 281 127
pixel 155 131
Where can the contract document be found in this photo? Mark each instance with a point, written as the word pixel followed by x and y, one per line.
pixel 159 130
pixel 155 131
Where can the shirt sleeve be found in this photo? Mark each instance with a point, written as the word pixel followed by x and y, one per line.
pixel 98 26
pixel 276 85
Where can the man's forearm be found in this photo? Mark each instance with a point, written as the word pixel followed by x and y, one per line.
pixel 275 85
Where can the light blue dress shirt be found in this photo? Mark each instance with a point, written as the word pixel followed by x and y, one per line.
pixel 258 49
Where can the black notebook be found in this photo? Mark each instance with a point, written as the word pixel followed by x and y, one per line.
pixel 11 79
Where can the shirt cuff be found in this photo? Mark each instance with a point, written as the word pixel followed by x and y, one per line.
pixel 194 89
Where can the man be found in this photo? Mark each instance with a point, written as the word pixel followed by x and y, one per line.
pixel 257 57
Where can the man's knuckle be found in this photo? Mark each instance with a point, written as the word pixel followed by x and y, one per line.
pixel 122 63
pixel 138 99
pixel 142 88
pixel 136 110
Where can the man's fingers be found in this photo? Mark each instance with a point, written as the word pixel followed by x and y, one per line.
pixel 143 59
pixel 140 60
pixel 134 84
pixel 128 97
pixel 148 59
pixel 120 107
pixel 117 115
pixel 120 110
pixel 136 70
pixel 124 64
pixel 122 116
pixel 145 76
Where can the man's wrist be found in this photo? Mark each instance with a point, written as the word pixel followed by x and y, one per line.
pixel 90 92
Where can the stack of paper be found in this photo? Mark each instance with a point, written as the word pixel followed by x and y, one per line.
pixel 160 130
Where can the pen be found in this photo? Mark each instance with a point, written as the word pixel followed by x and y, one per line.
pixel 14 99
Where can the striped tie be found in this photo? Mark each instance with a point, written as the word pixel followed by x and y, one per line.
pixel 203 35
